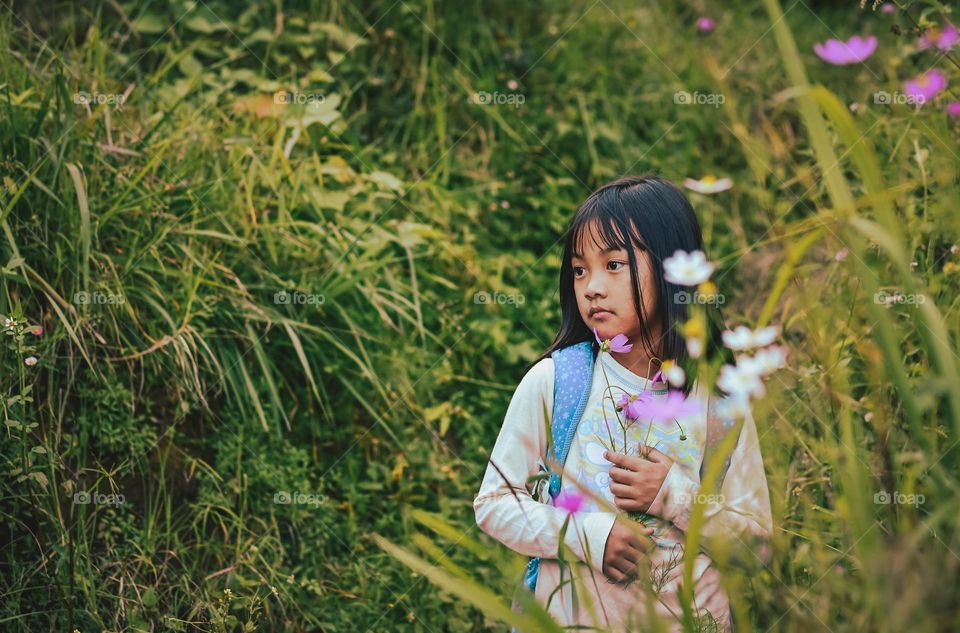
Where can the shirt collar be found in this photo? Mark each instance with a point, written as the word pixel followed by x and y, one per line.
pixel 626 378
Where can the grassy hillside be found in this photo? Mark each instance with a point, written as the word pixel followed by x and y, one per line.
pixel 290 260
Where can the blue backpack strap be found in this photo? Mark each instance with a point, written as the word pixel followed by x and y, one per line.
pixel 573 378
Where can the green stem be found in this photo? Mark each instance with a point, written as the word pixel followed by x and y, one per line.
pixel 603 411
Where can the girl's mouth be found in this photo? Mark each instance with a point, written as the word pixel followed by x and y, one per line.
pixel 601 315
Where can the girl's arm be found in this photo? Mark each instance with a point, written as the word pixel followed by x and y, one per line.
pixel 742 508
pixel 515 518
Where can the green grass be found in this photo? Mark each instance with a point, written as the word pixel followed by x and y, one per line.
pixel 154 242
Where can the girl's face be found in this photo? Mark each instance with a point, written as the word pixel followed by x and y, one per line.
pixel 602 284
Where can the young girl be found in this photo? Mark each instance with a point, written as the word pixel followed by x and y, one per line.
pixel 626 573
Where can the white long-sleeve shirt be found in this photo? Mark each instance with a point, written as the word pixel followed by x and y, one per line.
pixel 509 510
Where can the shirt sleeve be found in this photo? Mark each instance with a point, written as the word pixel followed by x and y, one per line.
pixel 742 507
pixel 504 506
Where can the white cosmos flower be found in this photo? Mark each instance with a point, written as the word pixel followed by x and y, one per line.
pixel 708 184
pixel 674 374
pixel 740 381
pixel 743 338
pixel 767 360
pixel 687 269
pixel 694 347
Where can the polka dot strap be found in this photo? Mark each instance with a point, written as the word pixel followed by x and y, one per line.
pixel 573 379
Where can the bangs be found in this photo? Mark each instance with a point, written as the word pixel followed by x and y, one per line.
pixel 602 219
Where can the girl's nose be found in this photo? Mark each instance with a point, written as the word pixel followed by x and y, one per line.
pixel 595 289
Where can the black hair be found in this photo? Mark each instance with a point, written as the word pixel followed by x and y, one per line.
pixel 656 217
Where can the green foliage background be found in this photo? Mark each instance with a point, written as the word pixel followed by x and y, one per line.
pixel 416 236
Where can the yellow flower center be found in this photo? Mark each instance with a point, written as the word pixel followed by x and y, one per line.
pixel 708 288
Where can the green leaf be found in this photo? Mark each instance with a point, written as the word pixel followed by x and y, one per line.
pixel 335 200
pixel 189 65
pixel 150 23
pixel 204 21
pixel 339 36
pixel 386 180
pixel 149 598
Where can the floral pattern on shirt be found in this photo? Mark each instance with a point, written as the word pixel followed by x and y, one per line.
pixel 593 437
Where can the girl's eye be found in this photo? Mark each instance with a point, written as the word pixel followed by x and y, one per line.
pixel 616 263
pixel 576 270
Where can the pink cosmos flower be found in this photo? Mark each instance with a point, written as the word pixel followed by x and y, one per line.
pixel 705 24
pixel 675 405
pixel 569 500
pixel 948 38
pixel 618 343
pixel 630 405
pixel 853 51
pixel 926 86
pixel 944 39
pixel 36 330
pixel 953 108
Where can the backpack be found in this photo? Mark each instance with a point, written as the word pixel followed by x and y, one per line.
pixel 573 379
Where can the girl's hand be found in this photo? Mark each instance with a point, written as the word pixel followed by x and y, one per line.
pixel 636 481
pixel 624 548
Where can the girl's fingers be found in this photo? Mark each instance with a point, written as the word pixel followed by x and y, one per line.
pixel 614 574
pixel 623 567
pixel 632 570
pixel 630 505
pixel 621 475
pixel 610 571
pixel 622 490
pixel 632 556
pixel 653 454
pixel 640 543
pixel 624 461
